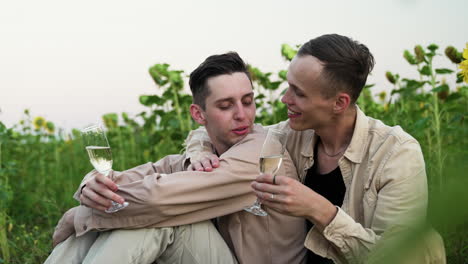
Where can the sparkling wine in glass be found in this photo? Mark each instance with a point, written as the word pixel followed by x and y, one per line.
pixel 270 161
pixel 100 155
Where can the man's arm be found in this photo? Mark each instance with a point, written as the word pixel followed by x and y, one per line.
pixel 64 228
pixel 96 190
pixel 184 197
pixel 199 148
pixel 401 201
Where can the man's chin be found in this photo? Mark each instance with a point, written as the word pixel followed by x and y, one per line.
pixel 297 126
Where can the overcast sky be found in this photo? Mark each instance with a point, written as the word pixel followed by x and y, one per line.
pixel 72 61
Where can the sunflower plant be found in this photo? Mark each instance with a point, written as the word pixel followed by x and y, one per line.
pixel 464 65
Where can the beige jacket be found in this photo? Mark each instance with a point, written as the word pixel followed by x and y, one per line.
pixel 384 173
pixel 162 194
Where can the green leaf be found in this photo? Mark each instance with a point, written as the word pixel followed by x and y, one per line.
pixel 174 123
pixel 421 123
pixel 282 74
pixel 167 95
pixel 148 100
pixel 459 77
pixel 458 117
pixel 273 85
pixel 413 84
pixel 255 73
pixel 441 88
pixel 453 96
pixel 175 77
pixel 432 47
pixel 443 71
pixel 288 52
pixel 159 73
pixel 2 127
pixel 110 120
pixel 426 70
pixel 260 96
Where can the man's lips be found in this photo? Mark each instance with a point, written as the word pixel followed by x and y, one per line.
pixel 292 114
pixel 241 130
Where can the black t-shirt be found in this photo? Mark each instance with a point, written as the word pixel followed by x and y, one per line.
pixel 332 187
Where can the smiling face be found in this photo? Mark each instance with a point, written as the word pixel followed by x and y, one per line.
pixel 307 107
pixel 229 110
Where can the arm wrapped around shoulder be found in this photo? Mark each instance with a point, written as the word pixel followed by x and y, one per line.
pixel 197 142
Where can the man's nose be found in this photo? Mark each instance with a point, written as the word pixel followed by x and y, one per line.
pixel 286 99
pixel 239 113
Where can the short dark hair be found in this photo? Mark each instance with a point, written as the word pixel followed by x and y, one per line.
pixel 346 63
pixel 215 65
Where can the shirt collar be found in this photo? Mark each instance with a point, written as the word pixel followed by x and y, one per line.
pixel 355 150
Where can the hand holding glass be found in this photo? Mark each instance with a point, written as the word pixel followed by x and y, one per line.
pixel 100 155
pixel 270 161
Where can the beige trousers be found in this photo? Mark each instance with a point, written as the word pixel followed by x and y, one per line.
pixel 194 243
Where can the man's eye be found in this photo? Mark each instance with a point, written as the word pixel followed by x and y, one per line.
pixel 298 93
pixel 224 107
pixel 247 102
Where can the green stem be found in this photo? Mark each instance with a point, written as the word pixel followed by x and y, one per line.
pixel 436 119
pixel 178 110
pixel 420 75
pixel 272 101
pixel 123 161
pixel 5 249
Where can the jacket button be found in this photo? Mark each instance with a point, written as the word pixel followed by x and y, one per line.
pixel 85 227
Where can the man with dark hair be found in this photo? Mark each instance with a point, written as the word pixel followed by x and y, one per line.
pixel 359 177
pixel 170 207
pixel 228 63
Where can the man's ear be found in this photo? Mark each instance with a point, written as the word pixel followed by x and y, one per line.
pixel 342 102
pixel 197 114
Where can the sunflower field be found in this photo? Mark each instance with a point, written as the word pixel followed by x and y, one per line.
pixel 41 165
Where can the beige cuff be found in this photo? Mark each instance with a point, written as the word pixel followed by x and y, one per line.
pixel 338 227
pixel 85 180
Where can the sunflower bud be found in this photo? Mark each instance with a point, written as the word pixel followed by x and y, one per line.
pixel 453 54
pixel 50 127
pixel 382 95
pixel 390 77
pixel 409 57
pixel 443 95
pixel 419 51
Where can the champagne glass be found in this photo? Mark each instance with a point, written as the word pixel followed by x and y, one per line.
pixel 100 155
pixel 270 161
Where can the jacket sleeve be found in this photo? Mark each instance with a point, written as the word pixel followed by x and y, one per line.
pixel 159 199
pixel 401 201
pixel 64 228
pixel 198 142
pixel 168 164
